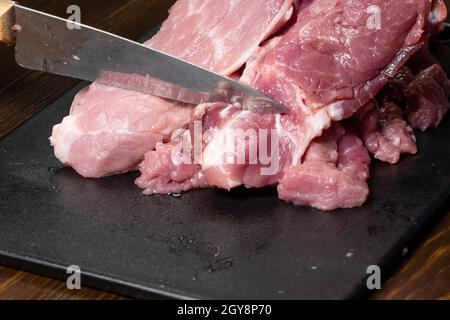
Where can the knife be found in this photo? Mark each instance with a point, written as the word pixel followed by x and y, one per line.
pixel 51 44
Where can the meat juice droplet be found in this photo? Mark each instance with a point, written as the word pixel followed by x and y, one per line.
pixel 175 195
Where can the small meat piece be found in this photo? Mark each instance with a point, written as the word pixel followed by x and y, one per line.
pixel 437 16
pixel 385 133
pixel 164 171
pixel 428 98
pixel 220 35
pixel 322 186
pixel 333 174
pixel 235 146
pixel 353 155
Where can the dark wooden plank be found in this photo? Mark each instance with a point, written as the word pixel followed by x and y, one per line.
pixel 426 274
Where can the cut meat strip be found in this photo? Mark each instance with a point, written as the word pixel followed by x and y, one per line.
pixel 385 133
pixel 109 129
pixel 119 126
pixel 428 98
pixel 322 186
pixel 220 35
pixel 333 174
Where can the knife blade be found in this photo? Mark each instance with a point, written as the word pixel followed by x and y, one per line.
pixel 44 42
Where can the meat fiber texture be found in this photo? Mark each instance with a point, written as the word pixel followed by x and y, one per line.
pixel 327 63
pixel 109 129
pixel 325 67
pixel 333 173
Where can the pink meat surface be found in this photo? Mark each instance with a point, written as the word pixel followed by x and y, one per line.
pixel 333 174
pixel 220 35
pixel 386 135
pixel 119 126
pixel 172 167
pixel 109 129
pixel 325 68
pixel 326 60
pixel 428 98
pixel 164 171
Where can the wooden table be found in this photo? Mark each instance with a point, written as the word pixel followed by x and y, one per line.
pixel 425 274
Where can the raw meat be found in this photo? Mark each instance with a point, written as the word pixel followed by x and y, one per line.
pixel 119 126
pixel 324 68
pixel 385 133
pixel 165 171
pixel 171 168
pixel 328 57
pixel 109 129
pixel 220 35
pixel 394 91
pixel 428 98
pixel 333 174
pixel 328 60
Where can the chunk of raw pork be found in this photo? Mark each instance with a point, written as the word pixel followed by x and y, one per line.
pixel 333 174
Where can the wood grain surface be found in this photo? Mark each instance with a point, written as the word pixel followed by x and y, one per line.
pixel 425 274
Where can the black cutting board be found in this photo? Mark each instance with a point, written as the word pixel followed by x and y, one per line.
pixel 207 243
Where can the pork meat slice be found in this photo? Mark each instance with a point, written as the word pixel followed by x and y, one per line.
pixel 119 126
pixel 220 35
pixel 332 57
pixel 164 170
pixel 109 129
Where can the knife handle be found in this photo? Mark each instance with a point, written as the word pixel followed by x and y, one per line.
pixel 6 21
